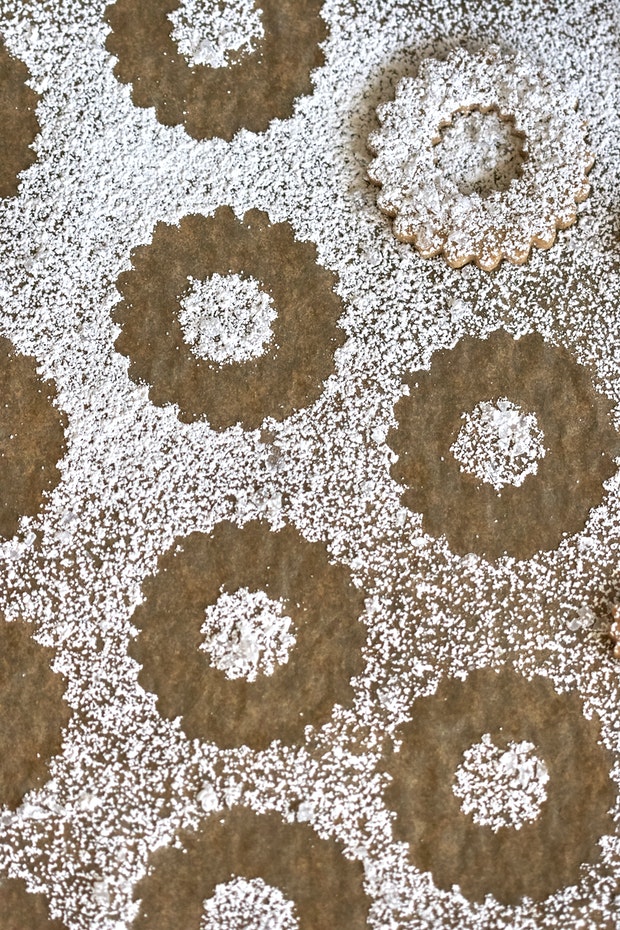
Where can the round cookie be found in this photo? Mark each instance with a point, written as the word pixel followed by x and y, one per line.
pixel 430 208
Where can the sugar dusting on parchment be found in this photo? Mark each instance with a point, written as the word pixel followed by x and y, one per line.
pixel 247 634
pixel 248 905
pixel 215 34
pixel 226 318
pixel 135 477
pixel 499 443
pixel 501 786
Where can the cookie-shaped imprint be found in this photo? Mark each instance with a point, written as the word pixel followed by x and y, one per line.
pixel 503 446
pixel 232 320
pixel 501 786
pixel 480 157
pixel 32 438
pixel 210 91
pixel 249 635
pixel 32 712
pixel 18 120
pixel 325 889
pixel 20 910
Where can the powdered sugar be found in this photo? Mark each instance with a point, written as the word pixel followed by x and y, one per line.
pixel 227 318
pixel 248 905
pixel 499 443
pixel 135 477
pixel 215 34
pixel 501 788
pixel 480 153
pixel 247 633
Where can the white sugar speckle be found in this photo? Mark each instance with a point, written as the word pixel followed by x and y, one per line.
pixel 208 799
pixel 215 34
pixel 501 788
pixel 227 318
pixel 499 443
pixel 247 634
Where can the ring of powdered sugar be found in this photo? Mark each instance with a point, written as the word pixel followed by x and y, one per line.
pixel 429 210
pixel 209 102
pixel 541 856
pixel 18 119
pixel 318 596
pixel 325 887
pixel 286 377
pixel 472 514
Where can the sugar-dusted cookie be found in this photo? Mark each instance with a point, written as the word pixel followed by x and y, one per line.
pixel 529 179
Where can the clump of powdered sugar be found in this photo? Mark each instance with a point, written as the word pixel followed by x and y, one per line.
pixel 501 787
pixel 499 443
pixel 247 634
pixel 216 33
pixel 480 152
pixel 243 904
pixel 584 619
pixel 227 318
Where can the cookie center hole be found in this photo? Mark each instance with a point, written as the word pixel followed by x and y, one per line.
pixel 243 904
pixel 247 634
pixel 216 34
pixel 227 318
pixel 480 152
pixel 499 443
pixel 501 785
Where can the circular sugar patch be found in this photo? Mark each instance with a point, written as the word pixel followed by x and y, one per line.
pixel 474 514
pixel 521 193
pixel 325 888
pixel 253 710
pixel 249 93
pixel 501 786
pixel 289 371
pixel 499 443
pixel 32 713
pixel 227 318
pixel 545 853
pixel 248 905
pixel 247 634
pixel 18 120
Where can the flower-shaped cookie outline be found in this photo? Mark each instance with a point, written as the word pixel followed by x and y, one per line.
pixel 19 908
pixel 209 102
pixel 471 514
pixel 18 119
pixel 428 209
pixel 325 887
pixel 290 375
pixel 540 857
pixel 32 438
pixel 320 598
pixel 33 712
